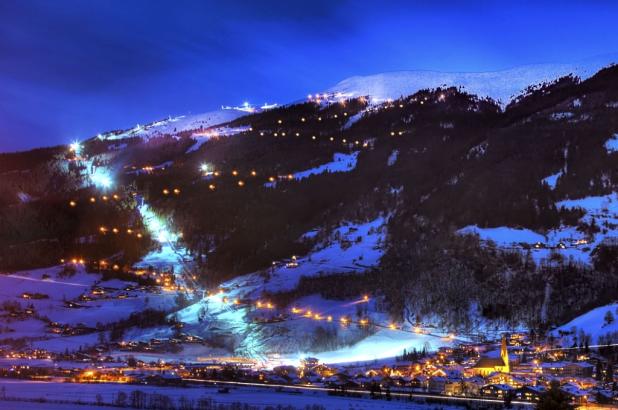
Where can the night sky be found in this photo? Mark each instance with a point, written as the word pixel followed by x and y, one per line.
pixel 71 69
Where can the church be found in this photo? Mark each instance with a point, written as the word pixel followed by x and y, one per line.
pixel 488 365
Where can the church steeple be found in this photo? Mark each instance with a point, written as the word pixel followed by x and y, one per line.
pixel 504 354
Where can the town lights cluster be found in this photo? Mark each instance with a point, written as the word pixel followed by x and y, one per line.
pixel 344 320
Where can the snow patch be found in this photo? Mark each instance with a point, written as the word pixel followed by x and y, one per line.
pixel 340 163
pixel 552 180
pixel 477 151
pixel 503 236
pixel 611 145
pixel 392 158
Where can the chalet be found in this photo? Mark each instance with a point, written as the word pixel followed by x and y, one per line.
pixel 530 393
pixel 498 391
pixel 437 384
pixel 568 369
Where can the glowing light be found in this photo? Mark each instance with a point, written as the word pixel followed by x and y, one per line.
pixel 75 147
pixel 279 121
pixel 93 199
pixel 271 179
pixel 253 173
pixel 211 187
pixel 365 298
pixel 166 191
pixel 176 191
pixel 72 203
pixel 156 225
pixel 234 172
pixel 101 178
pixel 241 183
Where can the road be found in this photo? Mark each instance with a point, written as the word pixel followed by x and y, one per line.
pixel 454 399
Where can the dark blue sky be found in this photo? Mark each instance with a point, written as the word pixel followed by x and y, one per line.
pixel 70 69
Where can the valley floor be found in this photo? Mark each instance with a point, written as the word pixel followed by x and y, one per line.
pixel 66 396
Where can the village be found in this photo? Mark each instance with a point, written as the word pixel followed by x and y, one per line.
pixel 516 368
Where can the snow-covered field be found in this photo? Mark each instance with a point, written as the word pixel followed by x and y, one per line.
pixel 567 241
pixel 349 248
pixel 59 290
pixel 255 396
pixel 499 85
pixel 503 235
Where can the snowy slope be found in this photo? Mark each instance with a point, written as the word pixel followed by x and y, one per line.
pixel 499 85
pixel 593 322
pixel 349 248
pixel 503 235
pixel 176 125
pixel 340 163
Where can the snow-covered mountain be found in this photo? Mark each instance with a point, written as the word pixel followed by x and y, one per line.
pixel 309 222
pixel 501 85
